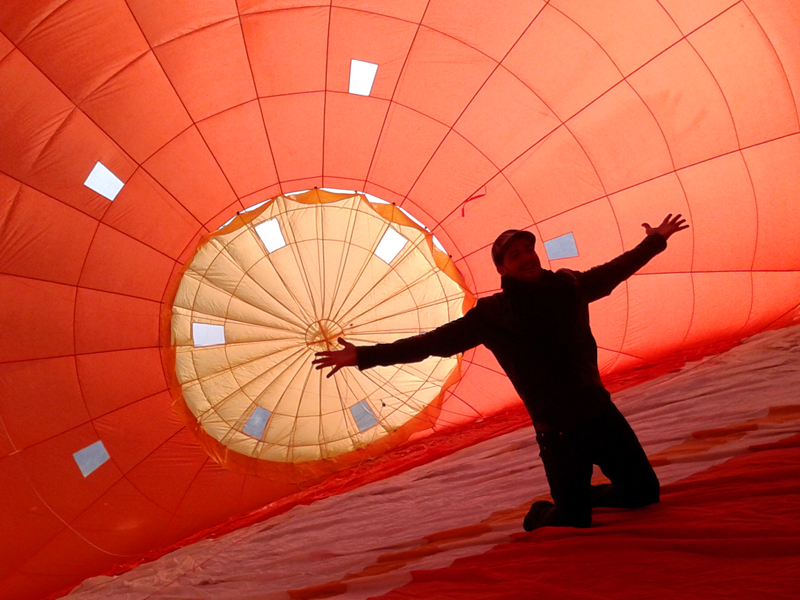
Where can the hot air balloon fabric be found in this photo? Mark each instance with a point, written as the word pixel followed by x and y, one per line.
pixel 155 156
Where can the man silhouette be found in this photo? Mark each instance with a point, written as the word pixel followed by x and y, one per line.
pixel 538 329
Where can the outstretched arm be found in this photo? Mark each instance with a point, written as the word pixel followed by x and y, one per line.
pixel 601 280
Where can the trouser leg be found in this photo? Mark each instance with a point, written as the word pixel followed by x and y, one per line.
pixel 569 473
pixel 622 459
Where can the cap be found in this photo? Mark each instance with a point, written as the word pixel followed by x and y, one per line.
pixel 501 243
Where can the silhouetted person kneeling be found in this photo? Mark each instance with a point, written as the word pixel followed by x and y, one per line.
pixel 538 328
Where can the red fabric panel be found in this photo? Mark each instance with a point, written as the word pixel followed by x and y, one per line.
pixel 51 385
pixel 188 171
pixel 132 433
pixel 45 239
pixel 33 110
pixel 164 22
pixel 352 127
pixel 295 127
pixel 83 44
pixel 460 73
pixel 455 172
pixel 488 26
pixel 58 479
pixel 26 522
pixel 371 38
pixel 503 140
pixel 37 319
pixel 111 380
pixel 269 35
pixel 138 108
pixel 143 521
pixel 238 140
pixel 209 69
pixel 729 532
pixel 149 213
pixel 63 166
pixel 105 321
pixel 410 10
pixel 117 263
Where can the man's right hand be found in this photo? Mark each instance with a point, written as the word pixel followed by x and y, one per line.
pixel 346 357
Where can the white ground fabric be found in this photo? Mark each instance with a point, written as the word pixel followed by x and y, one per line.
pixel 346 534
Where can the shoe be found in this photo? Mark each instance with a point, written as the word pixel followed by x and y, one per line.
pixel 537 515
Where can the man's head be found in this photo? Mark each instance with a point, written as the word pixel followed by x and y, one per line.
pixel 514 254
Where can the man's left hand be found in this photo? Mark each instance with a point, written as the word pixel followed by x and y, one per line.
pixel 668 226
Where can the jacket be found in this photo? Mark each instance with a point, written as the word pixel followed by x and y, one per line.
pixel 540 334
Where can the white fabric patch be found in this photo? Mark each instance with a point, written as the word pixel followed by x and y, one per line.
pixel 104 182
pixel 204 334
pixel 390 245
pixel 362 76
pixel 257 423
pixel 91 457
pixel 270 233
pixel 363 415
pixel 561 247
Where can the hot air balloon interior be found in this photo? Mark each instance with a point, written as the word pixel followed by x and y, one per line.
pixel 196 197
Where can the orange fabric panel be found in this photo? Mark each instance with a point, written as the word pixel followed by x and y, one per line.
pixel 213 495
pixel 63 166
pixel 732 45
pixel 268 36
pixel 51 386
pixel 82 45
pixel 554 176
pixel 411 135
pixel 26 522
pixel 57 478
pixel 722 303
pixel 773 171
pixel 142 523
pixel 187 170
pixel 702 128
pixel 490 27
pixel 117 263
pixel 500 208
pixel 17 20
pixel 371 38
pixel 630 32
pixel 459 75
pixel 352 127
pixel 33 110
pixel 133 432
pixel 410 10
pixel 44 239
pixel 456 171
pixel 163 22
pixel 255 6
pixel 650 202
pixel 9 188
pixel 720 194
pixel 138 108
pixel 294 124
pixel 526 118
pixel 177 461
pixel 209 69
pixel 105 321
pixel 238 140
pixel 111 380
pixel 147 212
pixel 37 319
pixel 619 129
pixel 555 45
